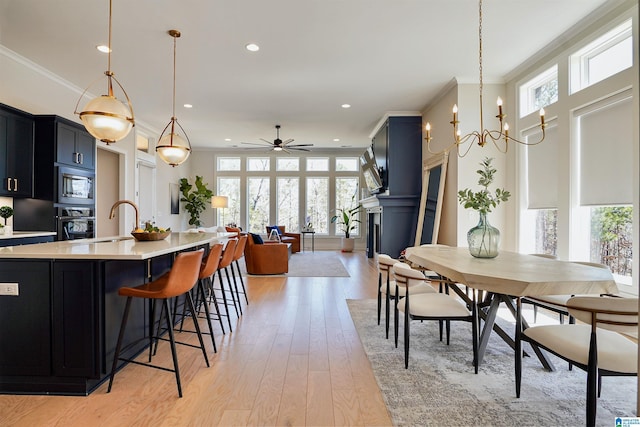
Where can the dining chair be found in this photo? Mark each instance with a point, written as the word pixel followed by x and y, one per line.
pixel 600 344
pixel 238 254
pixel 431 306
pixel 225 261
pixel 385 263
pixel 555 303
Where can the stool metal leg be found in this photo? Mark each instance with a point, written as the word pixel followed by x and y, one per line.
pixel 116 356
pixel 174 355
pixel 224 299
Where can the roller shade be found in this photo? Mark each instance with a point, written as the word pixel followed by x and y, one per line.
pixel 606 151
pixel 542 169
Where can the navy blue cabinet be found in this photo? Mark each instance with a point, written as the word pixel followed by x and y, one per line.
pixel 16 152
pixel 393 215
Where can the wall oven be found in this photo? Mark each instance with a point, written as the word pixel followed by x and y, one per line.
pixel 76 186
pixel 76 222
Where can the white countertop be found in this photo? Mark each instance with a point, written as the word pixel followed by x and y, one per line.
pixel 23 234
pixel 117 247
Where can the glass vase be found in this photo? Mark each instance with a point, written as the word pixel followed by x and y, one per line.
pixel 483 239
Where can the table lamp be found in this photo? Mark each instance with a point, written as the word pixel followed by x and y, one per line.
pixel 219 202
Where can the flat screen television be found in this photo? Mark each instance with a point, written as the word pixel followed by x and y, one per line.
pixel 371 172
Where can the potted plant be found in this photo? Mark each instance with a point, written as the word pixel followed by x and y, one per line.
pixel 483 239
pixel 347 218
pixel 6 212
pixel 196 198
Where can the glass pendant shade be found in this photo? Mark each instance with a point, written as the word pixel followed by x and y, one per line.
pixel 107 119
pixel 172 148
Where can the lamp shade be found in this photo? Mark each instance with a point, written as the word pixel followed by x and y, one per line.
pixel 173 149
pixel 107 118
pixel 219 201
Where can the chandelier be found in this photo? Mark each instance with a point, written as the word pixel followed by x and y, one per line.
pixel 173 148
pixel 106 117
pixel 499 137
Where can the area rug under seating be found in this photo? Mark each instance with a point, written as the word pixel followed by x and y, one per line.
pixel 312 264
pixel 440 388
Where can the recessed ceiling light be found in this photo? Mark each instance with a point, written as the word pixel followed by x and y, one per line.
pixel 346 105
pixel 252 47
pixel 188 106
pixel 336 139
pixel 103 48
pixel 227 139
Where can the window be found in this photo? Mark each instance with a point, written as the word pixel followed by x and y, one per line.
pixel 287 190
pixel 318 204
pixel 347 164
pixel 228 163
pixel 602 58
pixel 287 164
pixel 258 192
pixel 317 164
pixel 288 203
pixel 539 92
pixel 229 187
pixel 346 197
pixel 258 164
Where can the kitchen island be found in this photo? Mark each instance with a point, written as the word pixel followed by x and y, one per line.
pixel 58 334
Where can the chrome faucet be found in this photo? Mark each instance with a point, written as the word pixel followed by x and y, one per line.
pixel 129 202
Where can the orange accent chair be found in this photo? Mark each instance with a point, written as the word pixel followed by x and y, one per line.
pixel 285 237
pixel 272 258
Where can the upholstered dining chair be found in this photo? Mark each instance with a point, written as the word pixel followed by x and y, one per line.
pixel 598 345
pixel 555 303
pixel 225 261
pixel 431 306
pixel 385 263
pixel 417 285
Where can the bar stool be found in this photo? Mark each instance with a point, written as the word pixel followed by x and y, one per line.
pixel 239 253
pixel 225 261
pixel 178 281
pixel 207 268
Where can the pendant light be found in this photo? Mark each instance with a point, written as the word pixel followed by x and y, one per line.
pixel 172 148
pixel 106 117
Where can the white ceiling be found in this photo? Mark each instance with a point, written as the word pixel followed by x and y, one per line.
pixel 377 55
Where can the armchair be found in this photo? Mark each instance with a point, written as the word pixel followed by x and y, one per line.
pixel 287 237
pixel 266 259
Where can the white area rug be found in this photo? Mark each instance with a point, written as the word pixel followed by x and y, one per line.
pixel 312 264
pixel 440 388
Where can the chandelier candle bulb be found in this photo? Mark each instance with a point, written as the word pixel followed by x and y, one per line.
pixel 506 131
pixel 499 106
pixel 428 129
pixel 542 116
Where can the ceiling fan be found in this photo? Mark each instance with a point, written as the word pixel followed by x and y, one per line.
pixel 278 144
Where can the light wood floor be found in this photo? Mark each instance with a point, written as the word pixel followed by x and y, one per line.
pixel 293 359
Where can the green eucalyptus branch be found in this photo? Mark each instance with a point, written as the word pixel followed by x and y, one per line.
pixel 483 201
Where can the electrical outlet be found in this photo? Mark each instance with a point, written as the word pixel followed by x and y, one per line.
pixel 9 289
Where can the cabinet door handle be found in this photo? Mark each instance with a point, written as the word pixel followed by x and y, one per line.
pixel 8 184
pixel 15 184
pixel 81 157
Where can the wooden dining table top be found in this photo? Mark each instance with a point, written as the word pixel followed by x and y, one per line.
pixel 512 273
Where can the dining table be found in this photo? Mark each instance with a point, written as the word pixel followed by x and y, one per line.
pixel 509 275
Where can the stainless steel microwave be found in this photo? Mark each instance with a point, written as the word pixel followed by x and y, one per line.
pixel 76 186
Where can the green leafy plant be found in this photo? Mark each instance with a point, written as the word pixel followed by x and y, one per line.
pixel 196 197
pixel 483 201
pixel 6 212
pixel 347 218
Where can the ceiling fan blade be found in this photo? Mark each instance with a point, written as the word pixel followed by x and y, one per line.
pixel 298 149
pixel 300 145
pixel 255 143
pixel 288 141
pixel 268 142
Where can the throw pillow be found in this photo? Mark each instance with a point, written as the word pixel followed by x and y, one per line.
pixel 273 227
pixel 257 240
